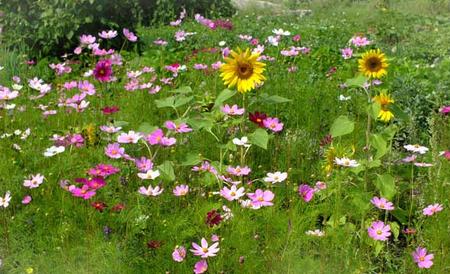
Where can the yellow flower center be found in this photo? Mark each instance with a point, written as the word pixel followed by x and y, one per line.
pixel 379 232
pixel 204 249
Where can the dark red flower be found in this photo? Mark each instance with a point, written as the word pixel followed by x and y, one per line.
pixel 103 71
pixel 119 207
pixel 224 24
pixel 409 231
pixel 110 110
pixel 100 206
pixel 257 118
pixel 154 244
pixel 326 140
pixel 213 218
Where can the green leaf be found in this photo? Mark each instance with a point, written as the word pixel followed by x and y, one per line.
pixel 378 247
pixel 201 123
pixel 182 90
pixel 342 126
pixel 120 123
pixel 386 185
pixel 182 100
pixel 400 214
pixel 374 110
pixel 358 81
pixel 146 128
pixel 274 99
pixel 223 96
pixel 259 138
pixel 378 142
pixel 398 112
pixel 166 102
pixel 167 172
pixel 192 159
pixel 395 228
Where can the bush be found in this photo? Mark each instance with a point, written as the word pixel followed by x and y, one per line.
pixel 52 27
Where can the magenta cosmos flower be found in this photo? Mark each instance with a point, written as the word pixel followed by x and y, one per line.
pixel 103 71
pixel 143 164
pixel 382 203
pixel 179 254
pixel 84 192
pixel 181 128
pixel 422 259
pixel 200 267
pixel 379 231
pixel 273 124
pixel 261 198
pixel 431 209
pixel 306 192
pixel 103 170
pixel 157 138
pixel 347 53
pixel 204 250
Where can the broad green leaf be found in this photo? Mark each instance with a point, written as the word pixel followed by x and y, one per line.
pixel 182 90
pixel 120 123
pixel 182 100
pixel 223 96
pixel 146 128
pixel 166 102
pixel 378 142
pixel 274 99
pixel 386 185
pixel 167 172
pixel 395 228
pixel 358 81
pixel 259 138
pixel 342 126
pixel 192 159
pixel 400 214
pixel 374 110
pixel 378 247
pixel 201 123
pixel 398 112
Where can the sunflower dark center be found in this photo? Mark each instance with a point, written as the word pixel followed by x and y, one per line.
pixel 374 64
pixel 245 70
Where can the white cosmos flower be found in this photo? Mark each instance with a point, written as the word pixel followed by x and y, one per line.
pixel 316 232
pixel 150 191
pixel 281 32
pixel 149 175
pixel 346 162
pixel 241 142
pixel 416 148
pixel 276 177
pixel 4 201
pixel 53 150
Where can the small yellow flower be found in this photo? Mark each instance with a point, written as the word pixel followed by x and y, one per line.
pixel 242 70
pixel 29 270
pixel 384 100
pixel 373 64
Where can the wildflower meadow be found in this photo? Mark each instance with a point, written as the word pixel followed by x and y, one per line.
pixel 260 141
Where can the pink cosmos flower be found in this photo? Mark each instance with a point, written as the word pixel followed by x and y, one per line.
pixel 130 35
pixel 130 137
pixel 155 137
pixel 204 250
pixel 239 171
pixel 422 259
pixel 306 192
pixel 359 41
pixel 180 190
pixel 110 34
pixel 444 110
pixel 86 87
pixel 160 42
pixel 200 66
pixel 409 159
pixel 382 203
pixel 34 182
pixel 114 151
pixel 26 200
pixel 167 142
pixel 296 38
pixel 87 39
pixel 179 254
pixel 200 267
pixel 233 110
pixel 103 71
pixel 347 53
pixel 143 164
pixel 110 129
pixel 232 193
pixel 273 124
pixel 206 166
pixel 150 191
pixel 431 209
pixel 181 128
pixel 84 192
pixel 215 238
pixel 216 65
pixel 379 231
pixel 320 186
pixel 423 164
pixel 261 198
pixel 225 52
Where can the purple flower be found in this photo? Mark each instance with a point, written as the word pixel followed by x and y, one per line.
pixel 103 71
pixel 306 192
pixel 200 267
pixel 347 53
pixel 379 231
pixel 261 198
pixel 422 259
pixel 114 151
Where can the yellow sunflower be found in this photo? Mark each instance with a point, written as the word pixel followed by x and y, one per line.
pixel 373 64
pixel 384 100
pixel 242 70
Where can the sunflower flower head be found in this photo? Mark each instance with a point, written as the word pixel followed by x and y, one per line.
pixel 373 63
pixel 242 70
pixel 384 100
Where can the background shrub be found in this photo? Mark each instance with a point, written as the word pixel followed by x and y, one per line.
pixel 52 27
